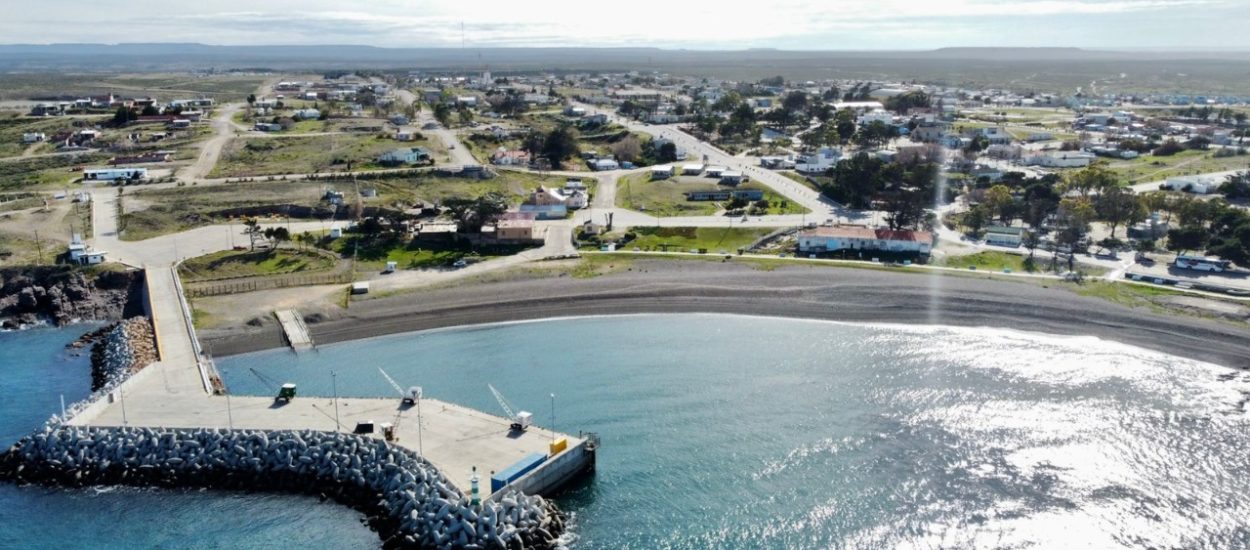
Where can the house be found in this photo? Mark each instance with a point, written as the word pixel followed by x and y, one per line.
pixel 598 118
pixel 399 120
pixel 404 155
pixel 114 174
pixel 1200 185
pixel 1004 236
pixel 858 106
pixel 404 135
pixel 515 229
pixel 599 165
pixel 928 133
pixel 691 169
pixel 336 232
pixel 82 254
pixel 574 199
pixel 679 152
pixel 990 173
pixel 876 115
pixel 467 100
pixel 575 111
pixel 661 172
pixel 545 204
pixel 33 137
pixel 821 160
pixel 180 123
pixel 714 171
pixel 504 157
pixel 858 237
pixel 777 163
pixel 749 195
pixel 995 135
pixel 268 127
pixel 732 177
pixel 663 118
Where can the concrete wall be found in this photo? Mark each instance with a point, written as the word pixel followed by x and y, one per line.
pixel 552 474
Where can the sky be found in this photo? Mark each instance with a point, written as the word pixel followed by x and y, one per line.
pixel 694 24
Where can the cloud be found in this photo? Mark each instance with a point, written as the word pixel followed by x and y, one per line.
pixel 665 23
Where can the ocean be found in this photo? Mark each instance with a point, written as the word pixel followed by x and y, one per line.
pixel 35 370
pixel 744 432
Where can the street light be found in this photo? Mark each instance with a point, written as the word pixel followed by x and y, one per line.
pixel 334 383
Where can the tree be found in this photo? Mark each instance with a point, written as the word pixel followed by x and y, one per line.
pixel 1118 205
pixel 442 113
pixel 560 144
pixel 472 214
pixel 667 152
pixel 150 110
pixel 999 201
pixel 251 228
pixel 904 209
pixel 975 219
pixel 1093 179
pixel 1236 186
pixel 1031 241
pixel 466 116
pixel 627 149
pixel 123 115
pixel 844 122
pixel 277 236
pixel 251 98
pixel 1187 237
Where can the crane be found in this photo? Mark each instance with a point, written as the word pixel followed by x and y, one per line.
pixel 285 391
pixel 409 397
pixel 520 420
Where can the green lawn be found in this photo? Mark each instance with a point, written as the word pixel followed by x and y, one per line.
pixel 233 263
pixel 991 260
pixel 664 198
pixel 685 239
pixel 373 254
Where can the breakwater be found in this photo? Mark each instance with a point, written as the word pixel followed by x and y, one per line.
pixel 123 349
pixel 407 500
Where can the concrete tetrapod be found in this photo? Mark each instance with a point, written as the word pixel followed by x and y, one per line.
pixel 407 500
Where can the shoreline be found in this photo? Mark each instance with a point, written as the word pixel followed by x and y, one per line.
pixel 824 294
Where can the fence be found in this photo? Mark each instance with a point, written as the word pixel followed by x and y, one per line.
pixel 201 290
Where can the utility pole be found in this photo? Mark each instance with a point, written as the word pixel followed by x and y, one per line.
pixel 335 384
pixel 39 247
pixel 553 419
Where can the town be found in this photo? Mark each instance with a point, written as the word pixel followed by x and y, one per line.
pixel 229 231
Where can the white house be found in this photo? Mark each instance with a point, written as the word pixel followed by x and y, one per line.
pixel 1200 185
pixel 661 172
pixel 307 114
pixel 604 164
pixel 819 161
pixel 33 137
pixel 691 169
pixel 858 237
pixel 679 152
pixel 876 115
pixel 80 253
pixel 1004 236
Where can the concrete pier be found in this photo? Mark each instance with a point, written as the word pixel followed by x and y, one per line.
pixel 295 330
pixel 175 393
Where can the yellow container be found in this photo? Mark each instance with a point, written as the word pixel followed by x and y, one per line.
pixel 558 445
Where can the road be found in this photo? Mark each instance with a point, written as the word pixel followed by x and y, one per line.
pixel 458 153
pixel 224 128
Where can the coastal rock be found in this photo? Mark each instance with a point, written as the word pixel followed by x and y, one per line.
pixel 63 294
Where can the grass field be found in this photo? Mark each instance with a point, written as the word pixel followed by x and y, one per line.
pixel 302 154
pixel 373 254
pixel 232 263
pixel 163 86
pixel 991 260
pixel 159 211
pixel 1149 168
pixel 664 198
pixel 684 239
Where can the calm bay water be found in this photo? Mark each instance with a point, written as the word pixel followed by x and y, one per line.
pixel 738 432
pixel 34 371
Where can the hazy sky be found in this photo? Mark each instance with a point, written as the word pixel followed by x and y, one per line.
pixel 790 24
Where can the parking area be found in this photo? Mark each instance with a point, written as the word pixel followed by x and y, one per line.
pixel 1163 271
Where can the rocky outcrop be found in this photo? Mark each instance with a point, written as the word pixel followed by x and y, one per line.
pixel 61 295
pixel 408 501
pixel 124 348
